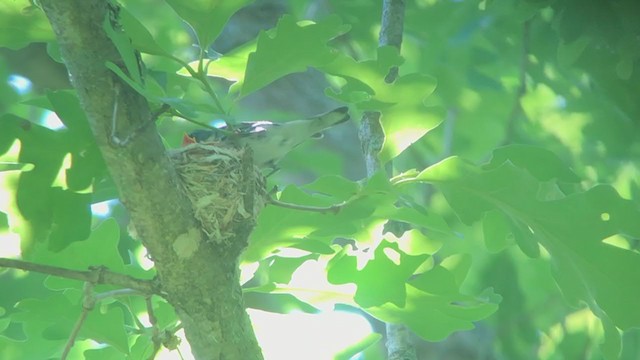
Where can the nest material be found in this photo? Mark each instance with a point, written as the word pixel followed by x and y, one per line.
pixel 226 190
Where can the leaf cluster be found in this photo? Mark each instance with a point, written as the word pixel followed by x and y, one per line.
pixel 538 243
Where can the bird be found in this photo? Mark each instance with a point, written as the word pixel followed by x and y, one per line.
pixel 270 141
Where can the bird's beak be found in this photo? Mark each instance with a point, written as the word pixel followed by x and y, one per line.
pixel 188 139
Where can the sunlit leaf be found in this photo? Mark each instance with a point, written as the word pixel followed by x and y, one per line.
pixel 293 48
pixel 207 17
pixel 276 303
pixel 358 347
pixel 405 119
pixel 381 280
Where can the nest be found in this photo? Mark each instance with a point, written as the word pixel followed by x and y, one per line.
pixel 226 190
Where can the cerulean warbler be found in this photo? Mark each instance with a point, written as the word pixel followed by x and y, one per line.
pixel 270 141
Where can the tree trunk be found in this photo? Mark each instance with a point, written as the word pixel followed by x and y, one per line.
pixel 198 276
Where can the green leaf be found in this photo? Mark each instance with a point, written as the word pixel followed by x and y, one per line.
pixel 48 212
pixel 4 225
pixel 138 87
pixel 57 315
pixel 109 353
pixel 414 242
pixel 100 249
pixel 612 345
pixel 206 17
pixel 35 316
pixel 87 166
pixel 526 239
pixel 107 326
pixel 496 230
pixel 382 279
pixel 503 274
pixel 543 164
pixel 359 347
pixel 435 308
pixel 4 321
pixel 369 76
pixel 71 218
pixel 432 223
pixel 570 52
pixel 21 24
pixel 572 229
pixel 404 125
pixel 282 268
pixel 293 48
pixel 13 166
pixel 165 313
pixel 232 65
pixel 141 349
pixel 280 227
pixel 66 105
pixel 365 79
pixel 314 247
pixel 139 35
pixel 337 186
pixel 405 119
pixel 128 54
pixel 276 303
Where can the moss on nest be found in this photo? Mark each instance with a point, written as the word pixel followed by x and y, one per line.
pixel 226 190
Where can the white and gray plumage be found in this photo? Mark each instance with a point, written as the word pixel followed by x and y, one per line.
pixel 270 141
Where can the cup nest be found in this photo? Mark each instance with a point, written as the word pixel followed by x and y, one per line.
pixel 226 190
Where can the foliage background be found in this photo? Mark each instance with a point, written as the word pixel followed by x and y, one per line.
pixel 550 225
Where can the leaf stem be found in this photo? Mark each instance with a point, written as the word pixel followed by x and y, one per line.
pixel 201 76
pixel 322 209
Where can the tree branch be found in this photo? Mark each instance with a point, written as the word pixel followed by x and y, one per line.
pixel 391 30
pixel 371 133
pixel 97 276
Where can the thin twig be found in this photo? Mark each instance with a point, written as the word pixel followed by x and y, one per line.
pixel 154 116
pixel 88 303
pixel 74 333
pixel 201 75
pixel 104 277
pixel 155 331
pixel 222 131
pixel 114 115
pixel 118 292
pixel 322 209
